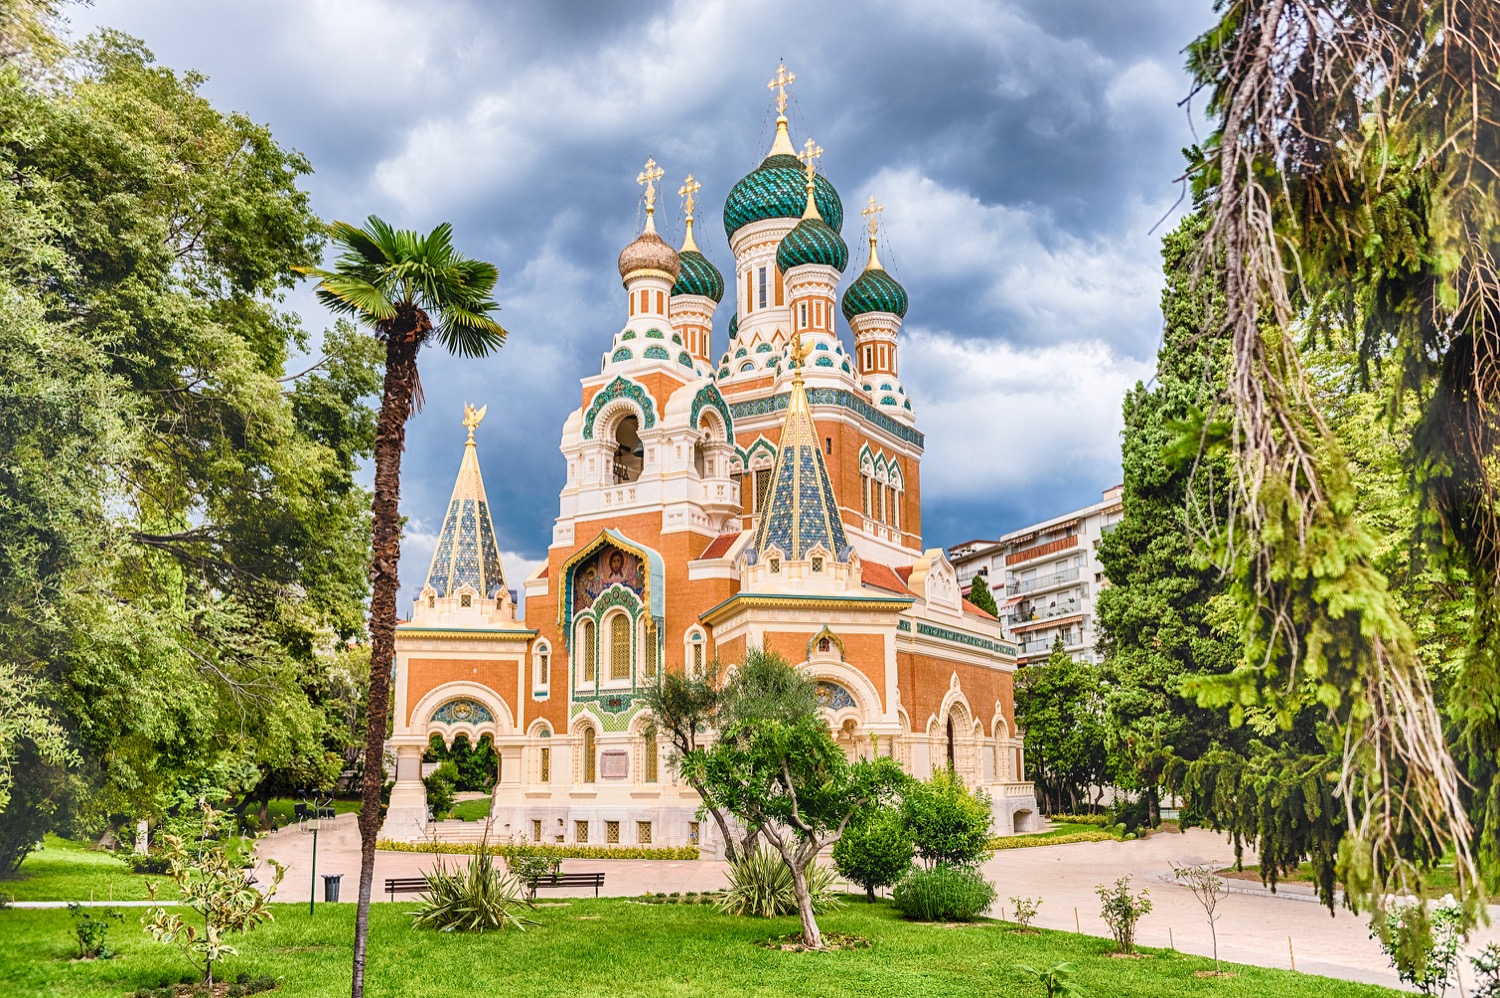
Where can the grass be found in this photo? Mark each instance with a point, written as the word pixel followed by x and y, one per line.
pixel 1061 833
pixel 281 809
pixel 1441 880
pixel 472 810
pixel 63 870
pixel 615 947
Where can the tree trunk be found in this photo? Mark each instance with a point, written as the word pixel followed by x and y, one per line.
pixel 1153 808
pixel 810 934
pixel 730 852
pixel 385 554
pixel 870 893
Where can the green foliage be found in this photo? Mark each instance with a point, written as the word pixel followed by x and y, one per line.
pixel 91 930
pixel 1422 942
pixel 1050 839
pixel 875 851
pixel 529 866
pixel 1057 979
pixel 1025 909
pixel 980 596
pixel 220 891
pixel 943 894
pixel 949 824
pixel 440 792
pixel 474 897
pixel 760 885
pixel 1121 910
pixel 475 766
pixel 1486 964
pixel 1060 707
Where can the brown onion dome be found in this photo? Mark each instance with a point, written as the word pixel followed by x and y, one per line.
pixel 650 252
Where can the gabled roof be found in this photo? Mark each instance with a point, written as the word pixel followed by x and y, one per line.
pixel 466 552
pixel 883 577
pixel 719 546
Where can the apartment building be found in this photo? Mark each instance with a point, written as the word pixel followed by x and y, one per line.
pixel 1044 578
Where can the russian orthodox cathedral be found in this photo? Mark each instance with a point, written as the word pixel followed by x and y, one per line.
pixel 767 498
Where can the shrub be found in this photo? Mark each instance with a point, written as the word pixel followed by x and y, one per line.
pixel 1082 819
pixel 554 851
pixel 1030 841
pixel 877 852
pixel 530 866
pixel 1025 910
pixel 1057 979
pixel 440 783
pixel 949 825
pixel 6 900
pixel 91 930
pixel 1422 943
pixel 943 894
pixel 150 862
pixel 475 897
pixel 1486 965
pixel 1121 910
pixel 760 884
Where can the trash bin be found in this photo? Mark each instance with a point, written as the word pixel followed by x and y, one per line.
pixel 331 886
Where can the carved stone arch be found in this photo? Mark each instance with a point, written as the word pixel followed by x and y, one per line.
pixel 760 454
pixel 540 728
pixel 898 482
pixel 500 721
pixel 882 474
pixel 620 388
pixel 956 716
pixel 608 418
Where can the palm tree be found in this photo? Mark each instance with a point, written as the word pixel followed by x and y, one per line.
pixel 408 289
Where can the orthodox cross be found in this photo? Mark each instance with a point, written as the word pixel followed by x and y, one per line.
pixel 649 176
pixel 687 192
pixel 473 417
pixel 809 155
pixel 779 84
pixel 872 215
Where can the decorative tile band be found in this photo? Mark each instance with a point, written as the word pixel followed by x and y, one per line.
pixel 959 637
pixel 836 397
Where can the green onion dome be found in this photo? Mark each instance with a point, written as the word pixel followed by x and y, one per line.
pixel 734 325
pixel 778 189
pixel 875 291
pixel 698 277
pixel 812 241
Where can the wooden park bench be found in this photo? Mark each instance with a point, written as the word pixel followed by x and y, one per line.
pixel 405 885
pixel 594 880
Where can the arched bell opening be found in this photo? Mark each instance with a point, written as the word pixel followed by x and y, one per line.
pixel 630 452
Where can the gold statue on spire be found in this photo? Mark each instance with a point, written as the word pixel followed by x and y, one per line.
pixel 648 177
pixel 872 212
pixel 779 84
pixel 800 351
pixel 688 192
pixel 473 417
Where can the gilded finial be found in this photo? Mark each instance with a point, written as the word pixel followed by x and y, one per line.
pixel 872 212
pixel 779 84
pixel 648 177
pixel 809 156
pixel 688 192
pixel 800 351
pixel 473 417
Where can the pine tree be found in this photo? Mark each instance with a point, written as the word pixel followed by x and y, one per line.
pixel 979 595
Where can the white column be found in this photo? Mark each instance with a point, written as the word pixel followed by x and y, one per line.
pixel 406 817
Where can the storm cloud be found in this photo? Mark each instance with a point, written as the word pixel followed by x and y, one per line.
pixel 1024 151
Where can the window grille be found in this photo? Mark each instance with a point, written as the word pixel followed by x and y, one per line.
pixel 650 653
pixel 762 488
pixel 693 830
pixel 546 765
pixel 643 833
pixel 536 830
pixel 466 600
pixel 590 764
pixel 586 638
pixel 544 673
pixel 697 657
pixel 651 761
pixel 612 832
pixel 581 832
pixel 760 284
pixel 619 647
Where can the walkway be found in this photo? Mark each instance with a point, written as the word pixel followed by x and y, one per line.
pixel 1254 926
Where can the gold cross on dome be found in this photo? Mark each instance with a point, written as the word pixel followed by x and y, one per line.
pixel 688 192
pixel 809 155
pixel 779 84
pixel 872 215
pixel 649 176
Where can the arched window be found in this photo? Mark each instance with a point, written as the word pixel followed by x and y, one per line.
pixel 590 765
pixel 541 676
pixel 694 652
pixel 650 769
pixel 952 764
pixel 586 649
pixel 650 656
pixel 619 646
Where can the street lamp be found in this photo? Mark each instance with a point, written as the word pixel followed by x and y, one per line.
pixel 312 811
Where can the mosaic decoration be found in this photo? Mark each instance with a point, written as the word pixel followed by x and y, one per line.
pixel 654 576
pixel 654 352
pixel 698 277
pixel 685 359
pixel 812 241
pixel 628 334
pixel 778 189
pixel 875 291
pixel 763 348
pixel 655 334
pixel 832 696
pixel 618 389
pixel 885 400
pixel 466 555
pixel 462 711
pixel 824 362
pixel 708 397
pixel 834 397
pixel 903 625
pixel 609 720
pixel 621 354
pixel 800 514
pixel 609 567
pixel 614 765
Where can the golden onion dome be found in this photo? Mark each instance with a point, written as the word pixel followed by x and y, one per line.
pixel 650 252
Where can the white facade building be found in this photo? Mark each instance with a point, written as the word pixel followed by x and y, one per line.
pixel 1044 578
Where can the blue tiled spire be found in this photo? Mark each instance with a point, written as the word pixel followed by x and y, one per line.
pixel 800 510
pixel 466 553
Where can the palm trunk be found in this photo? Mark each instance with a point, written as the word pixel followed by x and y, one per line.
pixel 385 554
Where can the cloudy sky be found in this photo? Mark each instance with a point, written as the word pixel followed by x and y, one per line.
pixel 1024 150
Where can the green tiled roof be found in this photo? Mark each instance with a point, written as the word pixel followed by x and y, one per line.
pixel 698 277
pixel 812 241
pixel 778 189
pixel 875 291
pixel 734 325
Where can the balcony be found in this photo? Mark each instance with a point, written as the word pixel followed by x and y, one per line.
pixel 1069 607
pixel 1041 582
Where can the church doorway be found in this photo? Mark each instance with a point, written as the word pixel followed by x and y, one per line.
pixel 630 453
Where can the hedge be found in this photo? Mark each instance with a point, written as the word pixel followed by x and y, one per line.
pixel 1082 819
pixel 1028 841
pixel 550 851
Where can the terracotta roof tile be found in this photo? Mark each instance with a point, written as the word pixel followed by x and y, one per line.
pixel 971 608
pixel 719 546
pixel 882 577
pixel 905 572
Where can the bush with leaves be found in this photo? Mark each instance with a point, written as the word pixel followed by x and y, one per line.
pixel 221 892
pixel 1121 910
pixel 876 852
pixel 949 824
pixel 943 894
pixel 529 866
pixel 760 884
pixel 1057 979
pixel 1421 941
pixel 91 930
pixel 1486 964
pixel 473 897
pixel 440 784
pixel 1025 908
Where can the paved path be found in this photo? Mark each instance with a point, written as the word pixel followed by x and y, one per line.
pixel 1254 925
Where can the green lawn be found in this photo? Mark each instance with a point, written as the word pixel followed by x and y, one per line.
pixel 472 810
pixel 1441 880
pixel 281 809
pixel 73 871
pixel 614 947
